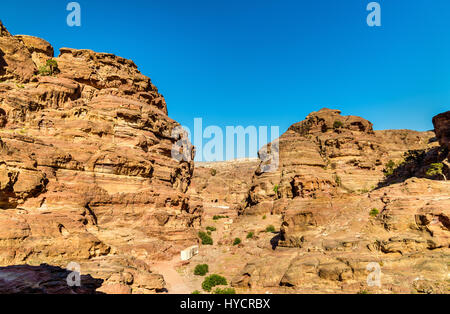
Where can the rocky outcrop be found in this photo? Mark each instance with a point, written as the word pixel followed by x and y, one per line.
pixel 223 182
pixel 86 172
pixel 16 61
pixel 342 211
pixel 442 128
pixel 327 155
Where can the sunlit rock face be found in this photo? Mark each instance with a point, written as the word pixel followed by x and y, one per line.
pixel 350 196
pixel 86 172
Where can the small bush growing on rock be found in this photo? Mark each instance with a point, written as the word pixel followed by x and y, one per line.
pixel 338 124
pixel 201 270
pixel 196 292
pixel 212 229
pixel 389 168
pixel 217 217
pixel 44 70
pixel 206 239
pixel 213 172
pixel 264 217
pixel 237 241
pixel 270 229
pixel 436 169
pixel 374 212
pixel 225 291
pixel 212 281
pixel 338 180
pixel 52 65
pixel 275 189
pixel 250 235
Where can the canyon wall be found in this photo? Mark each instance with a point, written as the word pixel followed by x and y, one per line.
pixel 350 196
pixel 86 173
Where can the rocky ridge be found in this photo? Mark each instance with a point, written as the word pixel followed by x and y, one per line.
pixel 344 204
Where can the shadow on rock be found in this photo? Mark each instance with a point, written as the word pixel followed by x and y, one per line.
pixel 43 279
pixel 274 241
pixel 416 163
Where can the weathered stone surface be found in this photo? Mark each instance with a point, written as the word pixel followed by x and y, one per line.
pixel 341 211
pixel 86 172
pixel 223 182
pixel 329 154
pixel 442 128
pixel 40 49
pixel 16 62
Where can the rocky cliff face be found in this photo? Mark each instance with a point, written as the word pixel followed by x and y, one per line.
pixel 86 173
pixel 223 182
pixel 327 155
pixel 349 196
pixel 442 128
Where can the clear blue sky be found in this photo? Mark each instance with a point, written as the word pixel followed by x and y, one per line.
pixel 258 62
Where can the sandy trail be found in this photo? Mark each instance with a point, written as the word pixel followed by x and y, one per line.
pixel 174 282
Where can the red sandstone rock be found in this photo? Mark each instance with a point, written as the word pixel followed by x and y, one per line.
pixel 86 172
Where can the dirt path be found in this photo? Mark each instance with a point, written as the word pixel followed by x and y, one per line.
pixel 174 282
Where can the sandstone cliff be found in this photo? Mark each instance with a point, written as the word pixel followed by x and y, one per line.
pixel 349 196
pixel 224 182
pixel 86 173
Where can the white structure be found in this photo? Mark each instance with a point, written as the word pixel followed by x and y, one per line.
pixel 189 253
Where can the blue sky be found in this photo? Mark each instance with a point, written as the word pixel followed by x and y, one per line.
pixel 248 62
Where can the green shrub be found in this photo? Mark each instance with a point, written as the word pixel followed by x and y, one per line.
pixel 250 235
pixel 206 239
pixel 212 229
pixel 225 291
pixel 217 217
pixel 201 270
pixel 44 70
pixel 212 281
pixel 338 180
pixel 374 212
pixel 270 228
pixel 264 217
pixel 213 172
pixel 338 124
pixel 389 168
pixel 196 292
pixel 436 169
pixel 52 65
pixel 275 189
pixel 237 241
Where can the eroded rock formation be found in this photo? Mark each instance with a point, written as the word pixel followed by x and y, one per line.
pixel 86 173
pixel 342 209
pixel 225 182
